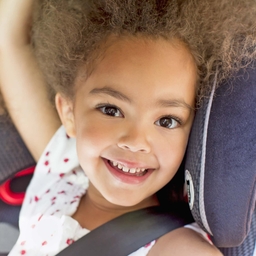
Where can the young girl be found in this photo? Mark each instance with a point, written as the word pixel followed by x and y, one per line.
pixel 127 77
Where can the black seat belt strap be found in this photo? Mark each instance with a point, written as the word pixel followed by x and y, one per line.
pixel 127 233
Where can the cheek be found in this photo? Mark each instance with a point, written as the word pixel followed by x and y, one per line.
pixel 90 137
pixel 93 135
pixel 171 152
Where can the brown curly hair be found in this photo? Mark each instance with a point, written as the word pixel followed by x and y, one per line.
pixel 221 34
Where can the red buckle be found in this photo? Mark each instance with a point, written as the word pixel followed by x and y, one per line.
pixel 9 196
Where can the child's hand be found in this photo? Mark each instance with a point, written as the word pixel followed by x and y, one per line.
pixel 15 21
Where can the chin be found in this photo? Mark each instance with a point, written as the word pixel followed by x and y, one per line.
pixel 124 201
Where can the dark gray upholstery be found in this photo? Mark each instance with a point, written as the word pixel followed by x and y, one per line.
pixel 221 163
pixel 14 155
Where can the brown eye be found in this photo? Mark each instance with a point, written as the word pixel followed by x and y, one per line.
pixel 111 111
pixel 167 122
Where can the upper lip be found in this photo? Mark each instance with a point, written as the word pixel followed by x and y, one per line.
pixel 130 165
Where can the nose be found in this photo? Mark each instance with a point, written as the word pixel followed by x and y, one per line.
pixel 135 140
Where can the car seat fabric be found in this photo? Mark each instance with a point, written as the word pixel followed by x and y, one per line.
pixel 246 248
pixel 221 164
pixel 14 157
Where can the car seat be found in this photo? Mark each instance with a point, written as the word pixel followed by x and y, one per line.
pixel 220 168
pixel 221 164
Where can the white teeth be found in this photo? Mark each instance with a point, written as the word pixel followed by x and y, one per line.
pixel 132 170
pixel 126 169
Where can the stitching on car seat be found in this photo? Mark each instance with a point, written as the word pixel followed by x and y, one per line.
pixel 202 173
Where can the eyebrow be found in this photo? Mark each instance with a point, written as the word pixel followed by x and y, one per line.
pixel 161 103
pixel 174 103
pixel 110 91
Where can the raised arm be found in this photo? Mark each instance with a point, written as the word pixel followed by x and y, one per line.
pixel 21 82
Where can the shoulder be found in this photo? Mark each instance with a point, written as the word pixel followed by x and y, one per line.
pixel 57 179
pixel 184 241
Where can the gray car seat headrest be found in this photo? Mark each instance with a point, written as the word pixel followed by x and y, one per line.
pixel 221 163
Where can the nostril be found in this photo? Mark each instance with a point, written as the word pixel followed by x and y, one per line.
pixel 135 148
pixel 134 143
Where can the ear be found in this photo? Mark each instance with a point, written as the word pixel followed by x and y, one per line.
pixel 65 109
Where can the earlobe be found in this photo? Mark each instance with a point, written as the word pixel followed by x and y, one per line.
pixel 65 109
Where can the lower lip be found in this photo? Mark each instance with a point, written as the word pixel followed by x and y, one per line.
pixel 125 177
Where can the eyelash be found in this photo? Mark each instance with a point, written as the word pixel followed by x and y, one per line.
pixel 177 122
pixel 102 109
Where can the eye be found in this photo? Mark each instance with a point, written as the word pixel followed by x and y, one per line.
pixel 167 122
pixel 110 110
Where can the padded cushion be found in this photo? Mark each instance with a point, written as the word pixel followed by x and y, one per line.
pixel 248 245
pixel 221 161
pixel 14 155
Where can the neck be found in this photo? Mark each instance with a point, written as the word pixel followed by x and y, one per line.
pixel 94 210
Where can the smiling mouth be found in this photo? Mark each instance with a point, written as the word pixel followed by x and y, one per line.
pixel 129 171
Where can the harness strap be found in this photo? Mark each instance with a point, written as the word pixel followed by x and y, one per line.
pixel 127 233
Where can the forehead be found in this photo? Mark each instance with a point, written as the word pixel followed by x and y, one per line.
pixel 144 48
pixel 139 63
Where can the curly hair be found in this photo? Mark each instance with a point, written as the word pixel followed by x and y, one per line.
pixel 221 34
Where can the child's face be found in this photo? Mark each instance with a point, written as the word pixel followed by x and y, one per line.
pixel 132 117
